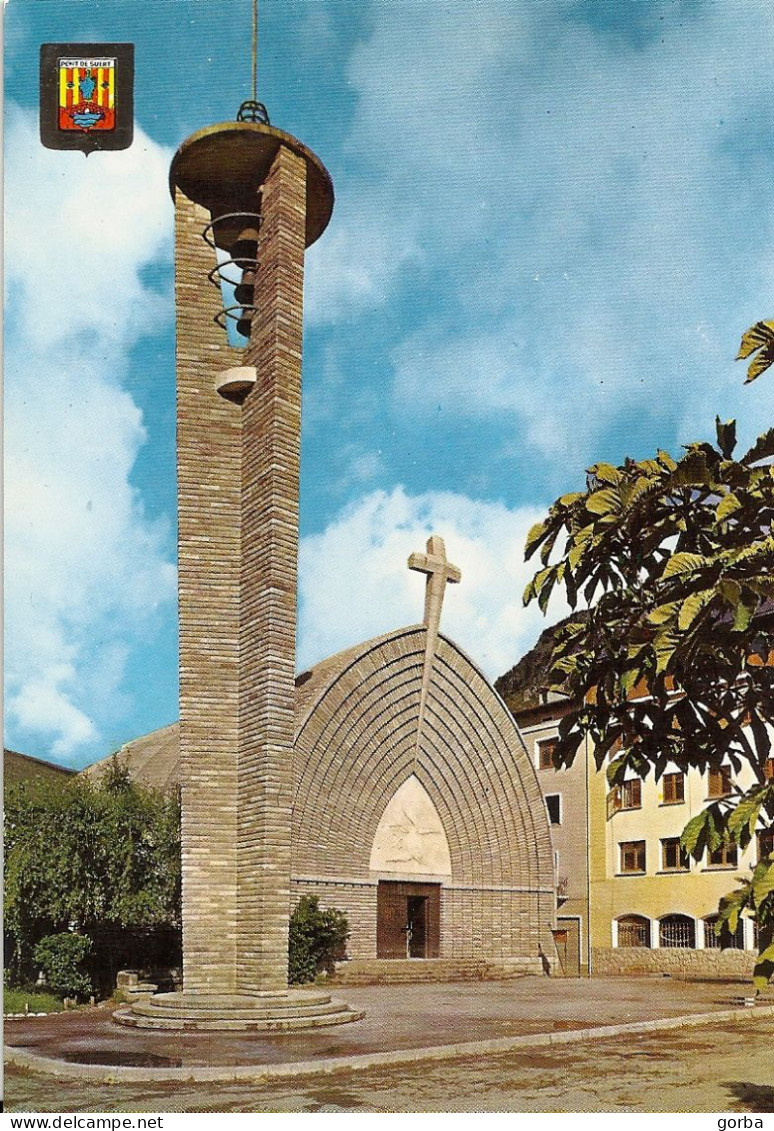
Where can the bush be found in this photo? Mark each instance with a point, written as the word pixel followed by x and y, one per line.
pixel 59 957
pixel 316 939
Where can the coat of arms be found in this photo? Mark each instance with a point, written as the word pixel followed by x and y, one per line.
pixel 86 95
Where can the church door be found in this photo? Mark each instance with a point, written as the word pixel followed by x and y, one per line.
pixel 408 920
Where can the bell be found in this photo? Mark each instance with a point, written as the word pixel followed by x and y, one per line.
pixel 244 290
pixel 245 323
pixel 234 384
pixel 244 249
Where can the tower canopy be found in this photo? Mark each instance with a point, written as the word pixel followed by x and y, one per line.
pixel 220 167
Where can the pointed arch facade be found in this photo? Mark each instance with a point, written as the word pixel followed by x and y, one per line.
pixel 358 743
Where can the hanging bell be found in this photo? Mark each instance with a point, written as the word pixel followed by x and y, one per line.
pixel 234 384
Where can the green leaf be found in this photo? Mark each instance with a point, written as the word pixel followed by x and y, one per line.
pixel 663 613
pixel 763 448
pixel 694 832
pixel 764 969
pixel 726 434
pixel 683 563
pixel 692 606
pixel 727 505
pixel 534 538
pixel 607 473
pixel 743 614
pixel 758 339
pixel 604 502
pixel 763 884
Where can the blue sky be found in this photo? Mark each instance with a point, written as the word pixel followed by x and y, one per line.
pixel 553 221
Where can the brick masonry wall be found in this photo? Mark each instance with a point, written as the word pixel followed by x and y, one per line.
pixel 208 471
pixel 358 901
pixel 271 438
pixel 356 744
pixel 680 962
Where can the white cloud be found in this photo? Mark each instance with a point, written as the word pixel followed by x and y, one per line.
pixel 578 205
pixel 355 584
pixel 85 570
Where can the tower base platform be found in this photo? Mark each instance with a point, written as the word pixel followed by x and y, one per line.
pixel 268 1013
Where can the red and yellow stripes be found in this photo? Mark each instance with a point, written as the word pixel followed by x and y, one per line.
pixel 104 90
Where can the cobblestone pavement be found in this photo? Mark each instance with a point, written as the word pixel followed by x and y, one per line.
pixel 719 1068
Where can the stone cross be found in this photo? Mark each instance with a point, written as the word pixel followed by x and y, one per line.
pixel 439 572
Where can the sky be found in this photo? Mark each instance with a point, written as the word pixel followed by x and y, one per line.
pixel 553 222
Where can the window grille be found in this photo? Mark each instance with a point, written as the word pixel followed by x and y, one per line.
pixel 719 782
pixel 633 930
pixel 632 855
pixel 674 788
pixel 677 930
pixel 727 941
pixel 673 856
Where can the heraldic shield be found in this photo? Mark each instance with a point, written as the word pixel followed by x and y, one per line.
pixel 86 95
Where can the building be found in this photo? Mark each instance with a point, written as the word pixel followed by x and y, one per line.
pixel 23 767
pixel 416 809
pixel 645 907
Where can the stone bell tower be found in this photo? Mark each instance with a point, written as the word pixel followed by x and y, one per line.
pixel 249 199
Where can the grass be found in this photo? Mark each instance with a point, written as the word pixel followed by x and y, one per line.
pixel 14 1001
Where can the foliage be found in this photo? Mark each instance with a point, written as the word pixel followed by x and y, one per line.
pixel 316 939
pixel 89 857
pixel 61 957
pixel 30 1001
pixel 758 341
pixel 673 661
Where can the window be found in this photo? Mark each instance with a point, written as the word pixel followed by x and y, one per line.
pixel 546 750
pixel 633 930
pixel 727 941
pixel 673 857
pixel 719 782
pixel 674 788
pixel 632 855
pixel 677 930
pixel 628 795
pixel 765 843
pixel 631 794
pixel 723 857
pixel 554 807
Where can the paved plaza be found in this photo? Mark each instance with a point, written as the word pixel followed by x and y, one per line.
pixel 671 1069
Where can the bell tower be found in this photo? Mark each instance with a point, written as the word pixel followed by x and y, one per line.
pixel 249 199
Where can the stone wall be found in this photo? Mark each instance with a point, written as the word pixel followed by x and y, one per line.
pixel 209 487
pixel 680 962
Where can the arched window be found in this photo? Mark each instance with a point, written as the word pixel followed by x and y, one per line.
pixel 633 930
pixel 730 942
pixel 676 930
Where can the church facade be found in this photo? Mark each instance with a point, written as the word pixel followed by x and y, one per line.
pixel 416 809
pixel 428 829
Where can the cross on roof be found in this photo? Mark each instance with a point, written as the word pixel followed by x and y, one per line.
pixel 439 571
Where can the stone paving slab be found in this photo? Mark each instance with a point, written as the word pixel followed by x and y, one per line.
pixel 425 1022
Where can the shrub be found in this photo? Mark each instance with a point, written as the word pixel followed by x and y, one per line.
pixel 59 957
pixel 316 939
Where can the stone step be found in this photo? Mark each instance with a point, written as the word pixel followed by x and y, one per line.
pixel 266 1025
pixel 391 971
pixel 298 1009
pixel 147 1008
